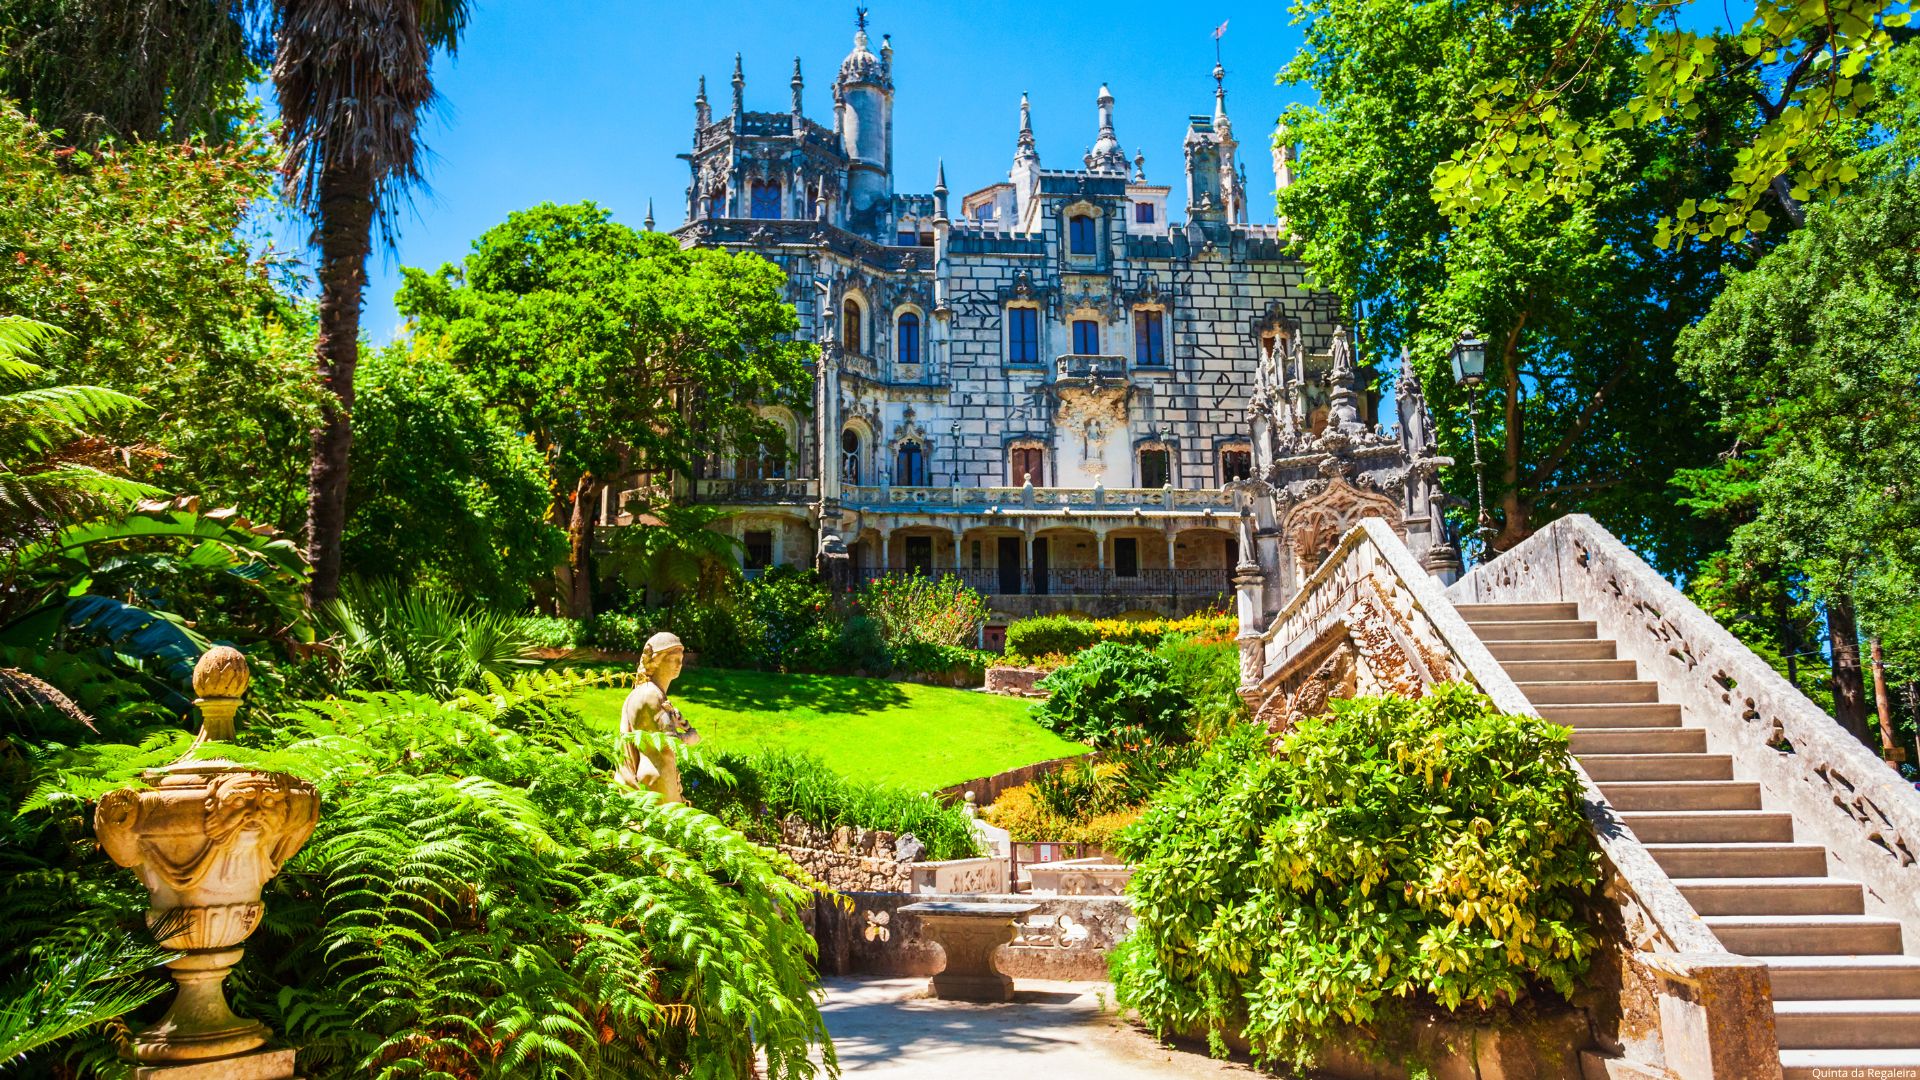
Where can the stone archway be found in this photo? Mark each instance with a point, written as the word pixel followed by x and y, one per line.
pixel 1314 527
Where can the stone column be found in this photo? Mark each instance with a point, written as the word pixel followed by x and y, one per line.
pixel 204 837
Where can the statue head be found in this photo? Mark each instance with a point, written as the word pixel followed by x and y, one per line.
pixel 660 659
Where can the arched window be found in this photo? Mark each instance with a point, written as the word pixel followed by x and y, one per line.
pixel 906 339
pixel 1027 461
pixel 910 465
pixel 850 456
pixel 766 199
pixel 850 326
pixel 1080 235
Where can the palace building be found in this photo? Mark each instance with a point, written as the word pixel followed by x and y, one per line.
pixel 1047 384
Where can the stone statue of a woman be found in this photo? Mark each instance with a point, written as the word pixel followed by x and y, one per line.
pixel 651 767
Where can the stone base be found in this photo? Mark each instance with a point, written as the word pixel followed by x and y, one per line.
pixel 253 1065
pixel 993 987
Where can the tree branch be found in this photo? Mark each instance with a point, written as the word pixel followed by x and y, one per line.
pixel 1578 428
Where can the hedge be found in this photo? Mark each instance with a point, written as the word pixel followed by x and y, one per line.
pixel 1065 634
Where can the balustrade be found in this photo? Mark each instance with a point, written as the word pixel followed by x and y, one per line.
pixel 1070 581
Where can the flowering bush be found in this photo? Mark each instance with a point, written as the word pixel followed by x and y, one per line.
pixel 1115 695
pixel 915 607
pixel 1065 634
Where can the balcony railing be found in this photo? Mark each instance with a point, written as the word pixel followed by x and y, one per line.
pixel 1088 365
pixel 801 490
pixel 1180 584
pixel 871 497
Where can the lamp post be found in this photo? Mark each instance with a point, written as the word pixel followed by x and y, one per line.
pixel 1469 359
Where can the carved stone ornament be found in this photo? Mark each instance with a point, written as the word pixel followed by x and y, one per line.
pixel 204 838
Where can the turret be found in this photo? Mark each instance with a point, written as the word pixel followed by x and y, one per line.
pixel 1106 155
pixel 799 117
pixel 1233 188
pixel 942 227
pixel 1204 197
pixel 863 104
pixel 739 93
pixel 1025 174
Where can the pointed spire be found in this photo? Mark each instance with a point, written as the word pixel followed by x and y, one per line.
pixel 1220 121
pixel 702 113
pixel 739 90
pixel 649 219
pixel 940 192
pixel 1106 155
pixel 1025 149
pixel 798 82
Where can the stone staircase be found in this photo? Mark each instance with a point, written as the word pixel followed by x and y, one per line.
pixel 1846 995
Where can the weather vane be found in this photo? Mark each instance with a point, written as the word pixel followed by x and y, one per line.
pixel 860 17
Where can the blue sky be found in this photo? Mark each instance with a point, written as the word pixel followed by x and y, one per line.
pixel 564 100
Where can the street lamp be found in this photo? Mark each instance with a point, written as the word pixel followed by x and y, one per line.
pixel 1469 359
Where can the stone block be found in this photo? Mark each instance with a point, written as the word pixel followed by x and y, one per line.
pixel 254 1065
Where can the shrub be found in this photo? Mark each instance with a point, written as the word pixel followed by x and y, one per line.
pixel 1396 855
pixel 1045 634
pixel 550 632
pixel 1020 811
pixel 1114 695
pixel 772 784
pixel 1209 674
pixel 928 658
pixel 917 607
pixel 390 637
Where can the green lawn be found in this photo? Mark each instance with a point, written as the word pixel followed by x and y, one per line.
pixel 923 737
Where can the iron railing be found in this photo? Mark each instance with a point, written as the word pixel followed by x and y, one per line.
pixel 1069 581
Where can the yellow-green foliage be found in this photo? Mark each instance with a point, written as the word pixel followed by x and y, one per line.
pixel 1020 811
pixel 1064 634
pixel 1395 853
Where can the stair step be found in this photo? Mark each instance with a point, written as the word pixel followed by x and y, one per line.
pixel 1742 860
pixel 1805 935
pixel 1653 714
pixel 1636 740
pixel 1591 692
pixel 1804 978
pixel 1578 649
pixel 1710 826
pixel 1772 895
pixel 1657 766
pixel 1556 670
pixel 1851 1062
pixel 1630 795
pixel 1848 1024
pixel 1537 630
pixel 1479 613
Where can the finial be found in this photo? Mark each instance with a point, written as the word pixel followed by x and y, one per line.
pixel 1025 150
pixel 940 178
pixel 220 680
pixel 649 219
pixel 798 83
pixel 860 17
pixel 739 90
pixel 702 95
pixel 1139 166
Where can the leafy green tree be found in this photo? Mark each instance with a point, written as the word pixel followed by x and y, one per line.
pixel 442 492
pixel 140 253
pixel 618 352
pixel 1811 72
pixel 671 549
pixel 1813 358
pixel 1578 306
pixel 170 70
pixel 352 79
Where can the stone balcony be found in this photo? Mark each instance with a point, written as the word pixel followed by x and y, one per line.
pixel 1027 499
pixel 781 492
pixel 1090 367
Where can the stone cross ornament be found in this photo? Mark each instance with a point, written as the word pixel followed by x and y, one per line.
pixel 204 837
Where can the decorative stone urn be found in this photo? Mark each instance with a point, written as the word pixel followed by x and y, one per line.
pixel 204 838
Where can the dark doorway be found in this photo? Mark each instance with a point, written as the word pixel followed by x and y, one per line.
pixel 1040 567
pixel 1126 556
pixel 920 554
pixel 1009 559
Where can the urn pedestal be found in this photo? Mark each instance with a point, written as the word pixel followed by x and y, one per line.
pixel 204 838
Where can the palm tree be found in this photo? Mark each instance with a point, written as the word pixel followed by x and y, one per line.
pixel 353 78
pixel 671 548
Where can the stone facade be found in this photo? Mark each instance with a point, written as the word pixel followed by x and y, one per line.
pixel 1056 390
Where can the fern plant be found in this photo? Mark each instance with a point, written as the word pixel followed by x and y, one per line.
pixel 479 901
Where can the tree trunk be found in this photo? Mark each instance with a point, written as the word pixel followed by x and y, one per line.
pixel 1849 682
pixel 580 537
pixel 346 236
pixel 1881 705
pixel 1515 528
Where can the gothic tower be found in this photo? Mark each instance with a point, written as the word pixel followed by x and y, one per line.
pixel 863 115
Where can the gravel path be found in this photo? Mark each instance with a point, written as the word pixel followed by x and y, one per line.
pixel 1051 1031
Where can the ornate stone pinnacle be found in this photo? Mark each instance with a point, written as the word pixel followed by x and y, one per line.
pixel 220 680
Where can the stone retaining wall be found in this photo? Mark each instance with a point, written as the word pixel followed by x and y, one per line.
pixel 1015 681
pixel 988 788
pixel 1068 937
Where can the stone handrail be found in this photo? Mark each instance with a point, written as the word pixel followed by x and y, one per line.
pixel 1682 1001
pixel 1839 792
